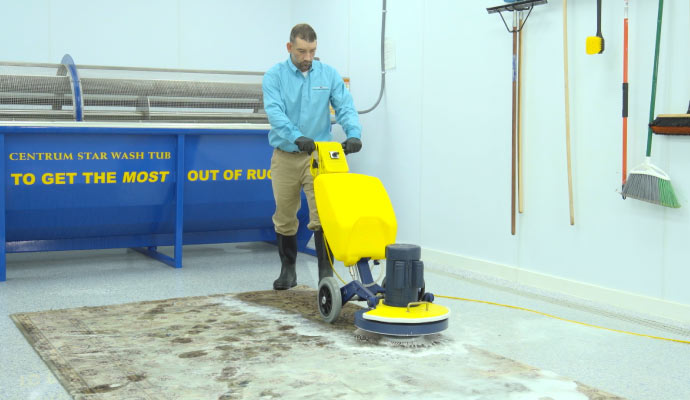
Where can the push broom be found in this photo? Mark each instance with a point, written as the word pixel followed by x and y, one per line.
pixel 672 124
pixel 648 182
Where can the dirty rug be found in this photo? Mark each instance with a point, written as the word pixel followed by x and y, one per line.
pixel 266 345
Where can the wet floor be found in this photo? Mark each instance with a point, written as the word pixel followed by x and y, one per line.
pixel 480 337
pixel 268 344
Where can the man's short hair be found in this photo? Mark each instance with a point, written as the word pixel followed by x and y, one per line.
pixel 304 32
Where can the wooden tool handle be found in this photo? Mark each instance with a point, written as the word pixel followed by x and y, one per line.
pixel 521 187
pixel 567 111
pixel 513 134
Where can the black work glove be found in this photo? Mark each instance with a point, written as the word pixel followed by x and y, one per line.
pixel 352 145
pixel 305 144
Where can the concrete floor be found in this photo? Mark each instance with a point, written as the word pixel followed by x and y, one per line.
pixel 629 366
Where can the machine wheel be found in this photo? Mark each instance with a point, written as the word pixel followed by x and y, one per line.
pixel 330 300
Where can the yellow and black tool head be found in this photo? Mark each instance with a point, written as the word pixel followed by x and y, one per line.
pixel 595 45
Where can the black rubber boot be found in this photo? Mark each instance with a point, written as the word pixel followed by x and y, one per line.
pixel 287 249
pixel 324 255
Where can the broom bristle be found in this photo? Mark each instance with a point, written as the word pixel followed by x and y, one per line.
pixel 667 195
pixel 378 339
pixel 651 189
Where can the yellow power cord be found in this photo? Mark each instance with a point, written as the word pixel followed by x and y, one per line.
pixel 330 259
pixel 529 310
pixel 564 319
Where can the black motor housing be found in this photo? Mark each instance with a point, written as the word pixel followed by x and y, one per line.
pixel 404 274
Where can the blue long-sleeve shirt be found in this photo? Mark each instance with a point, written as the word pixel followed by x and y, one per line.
pixel 298 106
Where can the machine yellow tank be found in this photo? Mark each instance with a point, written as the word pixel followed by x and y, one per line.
pixel 357 214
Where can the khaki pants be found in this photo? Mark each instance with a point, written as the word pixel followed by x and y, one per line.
pixel 289 174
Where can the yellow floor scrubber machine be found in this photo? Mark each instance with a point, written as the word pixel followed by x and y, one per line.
pixel 359 225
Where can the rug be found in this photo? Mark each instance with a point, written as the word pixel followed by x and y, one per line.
pixel 265 345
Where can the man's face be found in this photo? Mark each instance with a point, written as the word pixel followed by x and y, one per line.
pixel 302 53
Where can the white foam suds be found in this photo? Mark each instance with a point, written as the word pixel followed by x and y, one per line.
pixel 357 364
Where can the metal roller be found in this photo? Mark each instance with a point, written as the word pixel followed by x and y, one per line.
pixel 31 91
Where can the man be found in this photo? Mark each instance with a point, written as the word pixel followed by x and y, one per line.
pixel 297 94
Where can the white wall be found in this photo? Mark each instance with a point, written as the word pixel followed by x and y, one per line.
pixel 440 139
pixel 444 128
pixel 203 34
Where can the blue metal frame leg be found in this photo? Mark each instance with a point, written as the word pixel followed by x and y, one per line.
pixel 3 251
pixel 367 289
pixel 179 204
pixel 151 251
